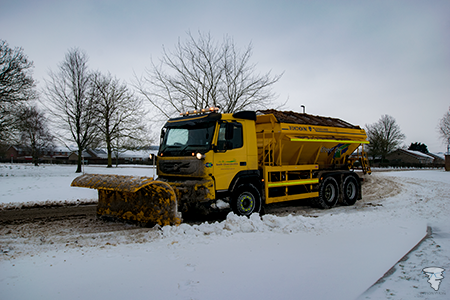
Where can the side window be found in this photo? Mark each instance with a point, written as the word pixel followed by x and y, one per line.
pixel 237 140
pixel 221 141
pixel 230 136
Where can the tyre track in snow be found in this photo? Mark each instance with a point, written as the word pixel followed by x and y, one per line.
pixel 46 213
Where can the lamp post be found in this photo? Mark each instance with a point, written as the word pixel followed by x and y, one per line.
pixel 153 157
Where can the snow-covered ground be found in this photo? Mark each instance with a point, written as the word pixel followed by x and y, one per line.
pixel 322 254
pixel 26 184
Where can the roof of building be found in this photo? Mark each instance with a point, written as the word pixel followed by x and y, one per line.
pixel 416 154
pixel 439 155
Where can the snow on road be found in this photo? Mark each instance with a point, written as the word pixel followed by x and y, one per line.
pixel 324 254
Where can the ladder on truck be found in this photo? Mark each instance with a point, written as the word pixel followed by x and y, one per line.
pixel 361 155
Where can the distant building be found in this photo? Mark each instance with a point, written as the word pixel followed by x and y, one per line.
pixel 14 152
pixel 61 154
pixel 439 158
pixel 409 157
pixel 18 153
pixel 100 156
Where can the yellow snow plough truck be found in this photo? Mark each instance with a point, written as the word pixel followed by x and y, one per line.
pixel 246 160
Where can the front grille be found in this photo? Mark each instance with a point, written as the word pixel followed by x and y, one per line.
pixel 181 167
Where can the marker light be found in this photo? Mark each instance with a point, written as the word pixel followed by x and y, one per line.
pixel 201 111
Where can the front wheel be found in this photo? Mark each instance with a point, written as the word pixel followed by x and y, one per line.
pixel 246 200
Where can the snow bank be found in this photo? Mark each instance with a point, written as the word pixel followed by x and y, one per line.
pixel 239 224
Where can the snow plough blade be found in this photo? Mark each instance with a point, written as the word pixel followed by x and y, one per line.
pixel 132 198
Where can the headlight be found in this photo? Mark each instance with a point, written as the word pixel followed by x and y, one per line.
pixel 200 156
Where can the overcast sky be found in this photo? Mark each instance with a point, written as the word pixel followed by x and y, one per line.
pixel 353 60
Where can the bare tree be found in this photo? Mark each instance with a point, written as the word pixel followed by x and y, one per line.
pixel 16 86
pixel 384 136
pixel 9 121
pixel 70 101
pixel 444 129
pixel 34 133
pixel 202 73
pixel 120 113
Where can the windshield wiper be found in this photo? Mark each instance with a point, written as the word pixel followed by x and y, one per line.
pixel 182 149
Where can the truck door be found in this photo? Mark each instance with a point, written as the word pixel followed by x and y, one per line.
pixel 230 155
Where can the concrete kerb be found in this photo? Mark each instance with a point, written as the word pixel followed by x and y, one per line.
pixel 393 269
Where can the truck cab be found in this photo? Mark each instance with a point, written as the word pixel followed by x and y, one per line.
pixel 211 156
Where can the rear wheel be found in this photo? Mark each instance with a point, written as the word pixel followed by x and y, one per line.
pixel 328 193
pixel 246 200
pixel 351 187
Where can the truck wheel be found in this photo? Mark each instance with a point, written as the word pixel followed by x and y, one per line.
pixel 328 193
pixel 246 200
pixel 350 187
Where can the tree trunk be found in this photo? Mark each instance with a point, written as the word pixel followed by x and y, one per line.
pixel 108 147
pixel 34 154
pixel 80 153
pixel 35 157
pixel 109 160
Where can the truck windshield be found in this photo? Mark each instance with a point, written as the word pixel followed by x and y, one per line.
pixel 180 141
